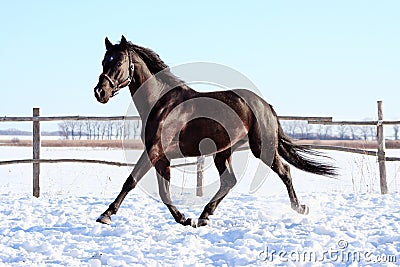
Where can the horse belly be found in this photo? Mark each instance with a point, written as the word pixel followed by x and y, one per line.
pixel 203 136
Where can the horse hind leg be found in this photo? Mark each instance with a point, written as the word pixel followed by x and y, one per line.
pixel 283 171
pixel 222 161
pixel 268 153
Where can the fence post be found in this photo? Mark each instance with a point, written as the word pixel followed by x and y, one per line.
pixel 200 176
pixel 36 151
pixel 381 150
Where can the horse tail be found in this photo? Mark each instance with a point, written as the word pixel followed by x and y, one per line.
pixel 303 157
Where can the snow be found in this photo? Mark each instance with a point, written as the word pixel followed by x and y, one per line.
pixel 350 223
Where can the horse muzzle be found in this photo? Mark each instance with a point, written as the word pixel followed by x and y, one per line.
pixel 101 95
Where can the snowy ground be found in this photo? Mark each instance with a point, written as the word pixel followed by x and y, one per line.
pixel 349 222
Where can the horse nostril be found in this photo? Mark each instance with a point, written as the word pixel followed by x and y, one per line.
pixel 100 92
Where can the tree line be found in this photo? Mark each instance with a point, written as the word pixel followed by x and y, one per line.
pixel 100 130
pixel 303 130
pixel 131 129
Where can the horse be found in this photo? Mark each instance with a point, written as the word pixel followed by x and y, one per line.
pixel 181 122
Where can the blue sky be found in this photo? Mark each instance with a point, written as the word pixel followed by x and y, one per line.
pixel 322 58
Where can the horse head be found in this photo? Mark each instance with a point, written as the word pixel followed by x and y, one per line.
pixel 118 70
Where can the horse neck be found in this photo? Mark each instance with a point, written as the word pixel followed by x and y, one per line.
pixel 148 88
pixel 145 91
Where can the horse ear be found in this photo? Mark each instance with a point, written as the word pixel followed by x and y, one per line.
pixel 109 45
pixel 123 41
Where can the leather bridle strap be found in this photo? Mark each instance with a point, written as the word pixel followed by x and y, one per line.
pixel 115 86
pixel 108 79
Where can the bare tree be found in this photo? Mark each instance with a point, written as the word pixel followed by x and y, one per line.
pixel 372 132
pixel 368 131
pixel 364 131
pixel 73 127
pixel 396 129
pixel 324 132
pixel 103 129
pixel 80 129
pixel 97 126
pixel 127 130
pixel 110 128
pixel 64 129
pixel 289 127
pixel 119 129
pixel 132 129
pixel 89 129
pixel 354 130
pixel 137 128
pixel 342 131
pixel 305 129
pixel 70 129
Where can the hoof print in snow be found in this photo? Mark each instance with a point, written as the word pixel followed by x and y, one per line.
pixel 104 219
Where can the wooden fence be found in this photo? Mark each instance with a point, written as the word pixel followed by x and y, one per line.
pixel 36 144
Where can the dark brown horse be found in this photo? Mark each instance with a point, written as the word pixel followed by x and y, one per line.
pixel 180 122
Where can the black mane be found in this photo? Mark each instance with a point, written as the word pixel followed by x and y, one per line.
pixel 156 66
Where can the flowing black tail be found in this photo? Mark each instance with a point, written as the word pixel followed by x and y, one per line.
pixel 300 156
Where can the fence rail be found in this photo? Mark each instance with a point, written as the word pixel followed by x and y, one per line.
pixel 36 144
pixel 105 162
pixel 68 118
pixel 357 123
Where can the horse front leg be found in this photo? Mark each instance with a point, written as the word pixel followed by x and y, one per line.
pixel 141 168
pixel 163 170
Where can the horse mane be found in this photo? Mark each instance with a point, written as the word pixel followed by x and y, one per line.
pixel 155 65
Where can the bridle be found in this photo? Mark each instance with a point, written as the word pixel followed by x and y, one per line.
pixel 115 86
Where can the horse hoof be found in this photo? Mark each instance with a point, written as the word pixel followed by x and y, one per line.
pixel 104 219
pixel 203 222
pixel 305 209
pixel 301 209
pixel 190 222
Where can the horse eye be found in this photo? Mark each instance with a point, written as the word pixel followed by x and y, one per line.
pixel 111 59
